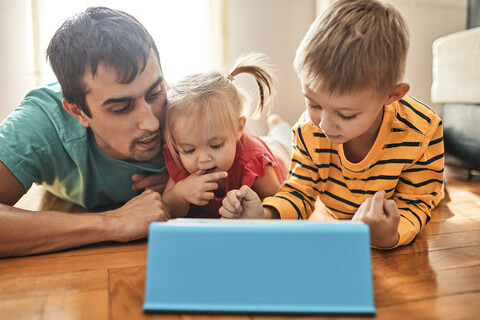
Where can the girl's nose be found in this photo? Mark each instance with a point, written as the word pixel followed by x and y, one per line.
pixel 203 156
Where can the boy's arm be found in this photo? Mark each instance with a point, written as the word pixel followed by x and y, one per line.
pixel 420 189
pixel 296 198
pixel 24 232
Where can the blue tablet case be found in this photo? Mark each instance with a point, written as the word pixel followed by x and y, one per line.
pixel 259 267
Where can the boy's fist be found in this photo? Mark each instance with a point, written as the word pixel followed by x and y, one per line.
pixel 243 203
pixel 382 217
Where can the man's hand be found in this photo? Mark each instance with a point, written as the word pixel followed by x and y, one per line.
pixel 199 187
pixel 382 217
pixel 156 182
pixel 243 203
pixel 131 221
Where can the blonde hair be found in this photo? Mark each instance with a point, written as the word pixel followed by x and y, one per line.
pixel 214 98
pixel 355 45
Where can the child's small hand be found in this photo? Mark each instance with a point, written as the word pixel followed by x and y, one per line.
pixel 198 188
pixel 243 203
pixel 382 217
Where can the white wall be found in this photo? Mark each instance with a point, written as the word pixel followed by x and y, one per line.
pixel 14 63
pixel 163 18
pixel 276 28
pixel 428 20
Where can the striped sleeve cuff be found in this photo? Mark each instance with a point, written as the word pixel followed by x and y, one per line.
pixel 285 207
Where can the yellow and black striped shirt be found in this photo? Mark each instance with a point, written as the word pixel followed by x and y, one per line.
pixel 406 161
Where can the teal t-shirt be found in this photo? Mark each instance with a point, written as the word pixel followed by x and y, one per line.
pixel 40 142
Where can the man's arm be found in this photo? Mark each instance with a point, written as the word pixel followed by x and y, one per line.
pixel 24 232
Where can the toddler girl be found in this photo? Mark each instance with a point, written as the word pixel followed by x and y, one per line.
pixel 206 151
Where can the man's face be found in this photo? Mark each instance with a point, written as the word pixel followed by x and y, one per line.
pixel 125 117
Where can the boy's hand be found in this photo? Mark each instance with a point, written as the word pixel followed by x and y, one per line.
pixel 156 182
pixel 382 217
pixel 198 188
pixel 243 203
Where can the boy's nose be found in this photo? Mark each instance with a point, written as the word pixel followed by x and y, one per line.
pixel 326 123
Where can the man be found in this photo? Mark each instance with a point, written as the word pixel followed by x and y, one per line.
pixel 87 138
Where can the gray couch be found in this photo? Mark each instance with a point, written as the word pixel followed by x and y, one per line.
pixel 456 85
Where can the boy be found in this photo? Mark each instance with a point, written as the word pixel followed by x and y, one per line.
pixel 366 149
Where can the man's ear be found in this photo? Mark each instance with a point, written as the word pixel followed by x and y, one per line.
pixel 397 93
pixel 241 127
pixel 76 112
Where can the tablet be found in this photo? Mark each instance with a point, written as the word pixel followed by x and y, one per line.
pixel 259 266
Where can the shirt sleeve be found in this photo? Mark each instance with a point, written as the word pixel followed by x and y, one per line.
pixel 175 172
pixel 27 136
pixel 420 188
pixel 255 168
pixel 296 198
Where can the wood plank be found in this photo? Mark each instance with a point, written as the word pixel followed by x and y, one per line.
pixel 32 286
pixel 127 297
pixel 452 307
pixel 97 248
pixel 454 224
pixel 434 242
pixel 215 317
pixel 416 263
pixel 104 247
pixel 310 317
pixel 19 267
pixel 453 240
pixel 82 305
pixel 465 210
pixel 428 285
pixel 20 309
pixel 462 306
pixel 127 294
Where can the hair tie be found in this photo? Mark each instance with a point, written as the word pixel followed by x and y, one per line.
pixel 230 77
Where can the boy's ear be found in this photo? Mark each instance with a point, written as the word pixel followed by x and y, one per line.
pixel 76 112
pixel 241 127
pixel 397 93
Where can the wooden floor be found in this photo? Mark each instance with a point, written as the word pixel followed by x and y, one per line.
pixel 438 277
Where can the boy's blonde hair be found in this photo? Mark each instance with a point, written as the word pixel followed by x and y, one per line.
pixel 213 98
pixel 354 45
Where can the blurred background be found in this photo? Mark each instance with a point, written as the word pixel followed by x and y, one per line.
pixel 198 35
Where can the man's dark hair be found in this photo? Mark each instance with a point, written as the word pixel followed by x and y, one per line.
pixel 98 35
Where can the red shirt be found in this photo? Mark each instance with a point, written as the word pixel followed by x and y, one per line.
pixel 251 158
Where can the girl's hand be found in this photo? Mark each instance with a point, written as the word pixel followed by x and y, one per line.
pixel 382 217
pixel 242 204
pixel 198 188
